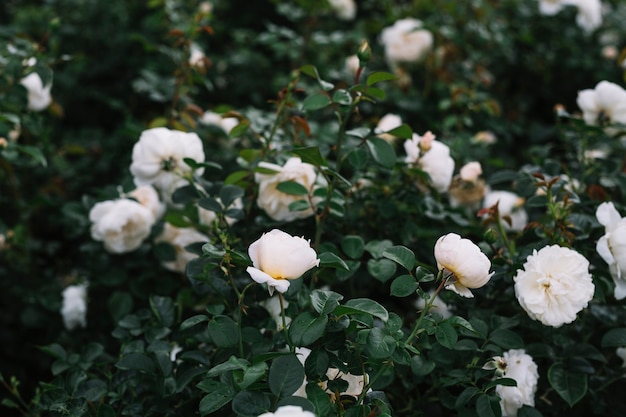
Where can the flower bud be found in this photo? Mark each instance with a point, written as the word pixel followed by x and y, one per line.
pixel 490 236
pixel 364 53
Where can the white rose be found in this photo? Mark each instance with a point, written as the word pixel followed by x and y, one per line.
pixel 158 157
pixel 289 411
pixel 276 203
pixel 208 217
pixel 510 205
pixel 278 257
pixel 471 171
pixel 215 119
pixel 39 96
pixel 148 197
pixel 607 100
pixel 589 16
pixel 74 307
pixel 122 225
pixel 406 41
pixel 518 365
pixel 464 261
pixel 179 237
pixel 352 64
pixel 550 7
pixel 612 246
pixel 434 159
pixel 554 285
pixel 385 124
pixel 345 9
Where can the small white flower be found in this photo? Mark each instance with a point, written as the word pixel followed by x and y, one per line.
pixel 225 123
pixel 345 9
pixel 148 197
pixel 462 259
pixel 612 246
pixel 589 16
pixel 554 285
pixel 510 205
pixel 484 137
pixel 385 124
pixel 550 7
pixel 122 225
pixel 352 65
pixel 471 171
pixel 607 101
pixel 39 97
pixel 432 157
pixel 518 365
pixel 289 411
pixel 276 203
pixel 74 307
pixel 406 41
pixel 197 58
pixel 278 257
pixel 158 157
pixel 179 238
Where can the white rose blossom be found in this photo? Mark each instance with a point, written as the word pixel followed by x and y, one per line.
pixel 554 285
pixel 607 101
pixel 179 238
pixel 158 157
pixel 215 119
pixel 385 124
pixel 289 411
pixel 612 246
pixel 39 97
pixel 406 41
pixel 471 171
pixel 510 205
pixel 462 260
pixel 276 203
pixel 432 157
pixel 589 16
pixel 148 197
pixel 352 64
pixel 74 306
pixel 122 224
pixel 517 365
pixel 550 7
pixel 344 9
pixel 278 257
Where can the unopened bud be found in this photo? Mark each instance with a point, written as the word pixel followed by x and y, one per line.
pixel 490 236
pixel 364 53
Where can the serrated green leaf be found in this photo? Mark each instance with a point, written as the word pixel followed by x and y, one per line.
pixel 446 335
pixel 570 386
pixel 363 305
pixel 379 77
pixel 286 375
pixel 403 286
pixel 223 331
pixel 483 406
pixel 403 131
pixel 219 394
pixel 315 102
pixel 381 269
pixel 382 152
pixel 311 155
pixel 192 321
pixel 402 255
pixel 306 328
pixel 353 246
pixel 325 301
pixel 136 362
pixel 330 260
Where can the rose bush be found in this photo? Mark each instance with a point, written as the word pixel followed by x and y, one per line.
pixel 216 152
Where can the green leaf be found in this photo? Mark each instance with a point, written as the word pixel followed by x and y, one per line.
pixel 229 193
pixel 325 301
pixel 353 246
pixel 106 411
pixel 507 382
pixel 506 339
pixel 382 152
pixel 527 411
pixel 465 396
pixel 303 403
pixel 299 205
pixel 252 374
pixel 402 255
pixel 403 131
pixel 292 188
pixel 34 153
pixel 211 204
pixel 376 93
pixel 136 362
pixel 363 305
pixel 359 132
pixel 286 375
pixel 315 102
pixel 239 130
pixel 306 328
pixel 571 386
pixel 311 155
pixel 330 260
pixel 614 338
pixel 55 350
pixel 342 97
pixel 223 331
pixel 537 201
pixel 163 309
pixel 233 363
pixel 219 394
pixel 192 321
pixel 446 335
pixel 378 77
pixel 423 274
pixel 236 177
pixel 420 366
pixel 311 71
pixel 484 406
pixel 251 403
pixel 379 345
pixel 120 304
pixel 320 399
pixel 403 286
pixel 381 269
